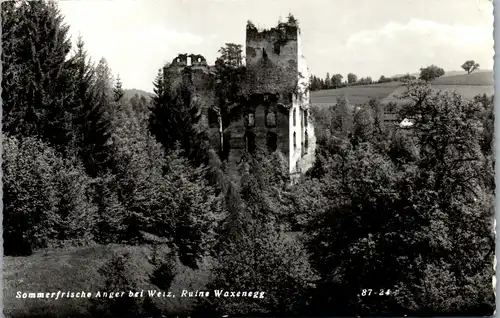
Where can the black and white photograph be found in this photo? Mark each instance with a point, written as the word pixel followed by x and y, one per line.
pixel 248 158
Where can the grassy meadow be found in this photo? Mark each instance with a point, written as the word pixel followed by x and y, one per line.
pixel 467 85
pixel 76 270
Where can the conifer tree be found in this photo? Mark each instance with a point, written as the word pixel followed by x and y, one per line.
pixel 176 116
pixel 96 147
pixel 118 89
pixel 36 85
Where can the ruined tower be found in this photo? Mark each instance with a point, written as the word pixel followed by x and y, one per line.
pixel 272 109
pixel 282 71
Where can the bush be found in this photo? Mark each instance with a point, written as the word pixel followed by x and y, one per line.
pixel 164 275
pixel 120 275
pixel 47 199
pixel 267 261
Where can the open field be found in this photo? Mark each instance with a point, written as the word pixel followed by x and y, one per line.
pixel 76 270
pixel 467 85
pixel 467 91
pixel 355 94
pixel 480 78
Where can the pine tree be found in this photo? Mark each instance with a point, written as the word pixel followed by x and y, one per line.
pixel 118 90
pixel 96 147
pixel 36 85
pixel 83 79
pixel 176 117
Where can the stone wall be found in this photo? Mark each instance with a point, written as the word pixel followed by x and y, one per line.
pixel 278 44
pixel 263 125
pixel 274 110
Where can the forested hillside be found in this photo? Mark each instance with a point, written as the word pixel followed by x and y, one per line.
pixel 388 221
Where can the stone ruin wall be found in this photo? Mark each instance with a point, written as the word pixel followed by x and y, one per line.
pixel 270 121
pixel 282 46
pixel 279 44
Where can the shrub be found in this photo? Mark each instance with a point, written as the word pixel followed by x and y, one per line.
pixel 47 199
pixel 267 261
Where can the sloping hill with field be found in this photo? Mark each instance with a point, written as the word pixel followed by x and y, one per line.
pixel 467 85
pixel 356 95
pixel 484 78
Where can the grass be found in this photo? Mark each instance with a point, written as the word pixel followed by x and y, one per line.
pixel 76 270
pixel 355 94
pixel 467 91
pixel 467 85
pixel 477 78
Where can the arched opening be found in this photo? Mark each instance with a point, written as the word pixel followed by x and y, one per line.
pixel 294 140
pixel 272 141
pixel 250 120
pixel 226 146
pixel 306 141
pixel 213 119
pixel 264 53
pixel 277 48
pixel 294 117
pixel 250 142
pixel 271 119
pixel 305 118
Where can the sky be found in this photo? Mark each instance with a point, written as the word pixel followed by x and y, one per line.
pixel 366 37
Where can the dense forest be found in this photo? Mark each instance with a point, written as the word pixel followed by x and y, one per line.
pixel 406 211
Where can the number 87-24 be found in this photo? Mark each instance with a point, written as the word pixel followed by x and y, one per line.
pixel 370 292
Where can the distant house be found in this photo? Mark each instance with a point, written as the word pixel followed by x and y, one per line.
pixel 406 123
pixel 395 120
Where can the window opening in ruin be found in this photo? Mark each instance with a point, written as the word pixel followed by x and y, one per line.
pixel 272 141
pixel 305 118
pixel 250 142
pixel 271 119
pixel 226 142
pixel 199 59
pixel 306 141
pixel 277 48
pixel 294 140
pixel 189 60
pixel 301 118
pixel 213 119
pixel 249 120
pixel 294 115
pixel 264 53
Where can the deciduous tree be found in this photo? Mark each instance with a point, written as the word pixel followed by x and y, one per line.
pixel 470 66
pixel 352 78
pixel 430 73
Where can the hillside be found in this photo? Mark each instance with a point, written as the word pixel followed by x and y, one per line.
pixel 484 78
pixel 467 91
pixel 129 93
pixel 355 94
pixel 76 270
pixel 447 73
pixel 468 85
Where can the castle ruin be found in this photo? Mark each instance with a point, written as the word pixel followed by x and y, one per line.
pixel 274 112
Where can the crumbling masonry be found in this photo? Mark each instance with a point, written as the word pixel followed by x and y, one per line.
pixel 275 114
